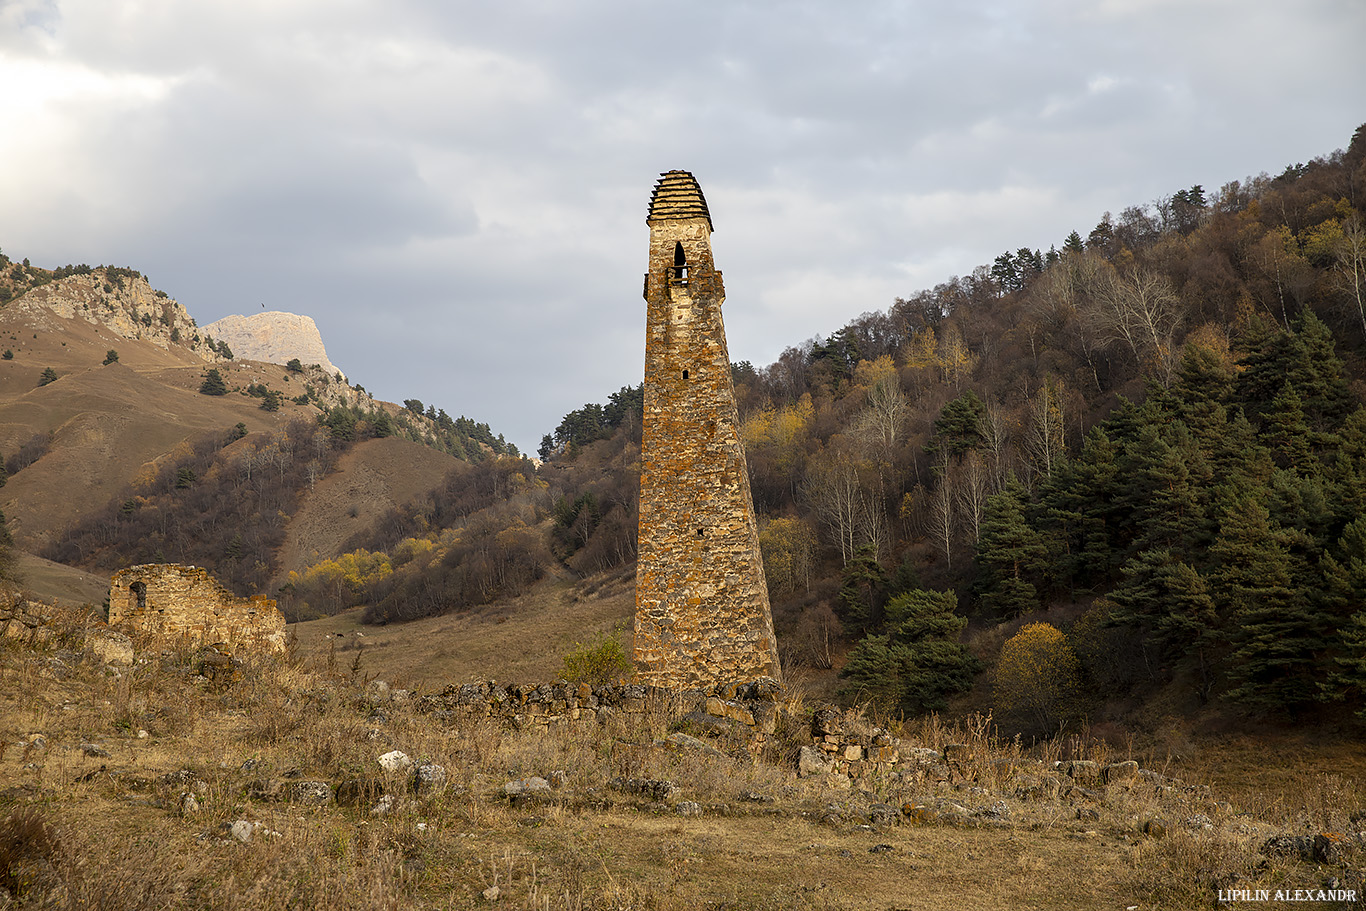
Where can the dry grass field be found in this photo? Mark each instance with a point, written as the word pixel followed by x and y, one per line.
pixel 520 639
pixel 149 786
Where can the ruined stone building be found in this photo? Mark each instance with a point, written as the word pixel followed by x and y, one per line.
pixel 184 602
pixel 702 612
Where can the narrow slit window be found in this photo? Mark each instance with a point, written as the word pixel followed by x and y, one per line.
pixel 680 269
pixel 685 374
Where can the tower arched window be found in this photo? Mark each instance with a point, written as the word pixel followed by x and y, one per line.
pixel 678 274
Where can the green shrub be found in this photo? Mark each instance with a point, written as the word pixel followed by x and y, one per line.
pixel 600 662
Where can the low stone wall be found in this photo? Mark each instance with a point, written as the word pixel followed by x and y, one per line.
pixel 856 750
pixel 832 741
pixel 827 741
pixel 172 601
pixel 749 708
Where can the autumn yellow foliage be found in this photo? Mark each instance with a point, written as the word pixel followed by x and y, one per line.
pixel 789 551
pixel 871 374
pixel 347 573
pixel 1038 680
pixel 779 427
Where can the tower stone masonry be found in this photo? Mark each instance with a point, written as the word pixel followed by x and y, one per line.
pixel 702 612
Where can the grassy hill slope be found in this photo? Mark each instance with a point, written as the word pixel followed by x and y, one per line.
pixel 370 479
pixel 520 639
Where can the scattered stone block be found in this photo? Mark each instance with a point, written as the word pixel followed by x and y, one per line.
pixel 353 792
pixel 429 779
pixel 109 647
pixel 812 762
pixel 395 761
pixel 1119 771
pixel 527 787
pixel 684 743
pixel 311 793
pixel 656 789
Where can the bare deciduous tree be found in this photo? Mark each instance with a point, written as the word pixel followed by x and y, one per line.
pixel 971 492
pixel 1046 438
pixel 942 515
pixel 1350 269
pixel 1142 311
pixel 995 443
pixel 837 496
pixel 881 423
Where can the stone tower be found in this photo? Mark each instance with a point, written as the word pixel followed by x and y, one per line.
pixel 702 614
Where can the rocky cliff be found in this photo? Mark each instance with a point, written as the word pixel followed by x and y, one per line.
pixel 123 303
pixel 273 337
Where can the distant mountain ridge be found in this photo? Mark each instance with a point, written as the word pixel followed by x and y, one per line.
pixel 275 337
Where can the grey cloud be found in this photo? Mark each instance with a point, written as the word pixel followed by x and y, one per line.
pixel 456 191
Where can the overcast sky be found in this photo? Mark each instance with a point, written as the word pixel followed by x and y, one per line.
pixel 456 191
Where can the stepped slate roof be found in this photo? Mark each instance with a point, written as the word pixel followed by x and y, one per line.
pixel 678 196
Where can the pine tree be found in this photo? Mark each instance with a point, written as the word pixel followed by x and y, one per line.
pixel 1275 629
pixel 1304 359
pixel 340 422
pixel 1093 498
pixel 49 376
pixel 1315 370
pixel 862 593
pixel 1239 456
pixel 1263 371
pixel 1286 434
pixel 1164 505
pixel 1344 590
pixel 1010 553
pixel 919 662
pixel 958 428
pixel 1299 505
pixel 213 383
pixel 1203 385
pixel 1344 470
pixel 1170 602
